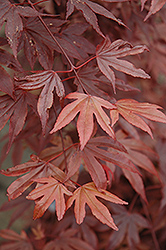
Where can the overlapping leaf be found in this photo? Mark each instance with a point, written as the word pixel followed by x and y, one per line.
pixel 16 241
pixel 89 9
pixel 12 14
pixel 15 110
pixel 91 82
pixel 156 5
pixel 8 60
pixel 50 80
pixel 87 195
pixel 136 153
pixel 75 45
pixel 128 224
pixel 108 55
pixel 6 83
pixel 68 240
pixel 131 110
pixel 34 170
pixel 92 152
pixel 87 106
pixel 44 195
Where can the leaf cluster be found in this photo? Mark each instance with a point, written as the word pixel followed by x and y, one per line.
pixel 71 87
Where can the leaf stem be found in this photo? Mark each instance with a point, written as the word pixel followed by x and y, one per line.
pixel 157 247
pixel 80 66
pixel 53 158
pixel 73 68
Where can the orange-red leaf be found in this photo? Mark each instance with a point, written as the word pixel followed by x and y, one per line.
pixel 131 110
pixel 37 169
pixel 87 105
pixel 108 55
pixel 87 195
pixel 50 191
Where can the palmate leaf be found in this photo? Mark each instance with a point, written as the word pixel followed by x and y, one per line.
pixel 89 9
pixel 87 195
pixel 15 110
pixel 67 241
pixel 87 105
pixel 131 110
pixel 48 80
pixel 92 152
pixel 12 14
pixel 44 195
pixel 16 241
pixel 37 169
pixel 128 224
pixel 8 60
pixel 108 54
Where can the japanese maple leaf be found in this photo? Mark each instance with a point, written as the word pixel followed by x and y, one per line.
pixel 90 81
pixel 8 60
pixel 89 9
pixel 34 170
pixel 131 110
pixel 44 195
pixel 128 224
pixel 6 83
pixel 137 154
pixel 74 44
pixel 108 54
pixel 156 5
pixel 12 15
pixel 37 42
pixel 87 195
pixel 16 241
pixel 86 229
pixel 87 105
pixel 15 110
pixel 91 154
pixel 50 80
pixel 68 240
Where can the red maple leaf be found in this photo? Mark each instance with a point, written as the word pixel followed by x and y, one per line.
pixel 68 240
pixel 131 110
pixel 87 195
pixel 15 110
pixel 87 106
pixel 37 42
pixel 12 14
pixel 16 241
pixel 37 169
pixel 92 152
pixel 156 5
pixel 108 54
pixel 8 60
pixel 44 195
pixel 48 80
pixel 128 224
pixel 89 9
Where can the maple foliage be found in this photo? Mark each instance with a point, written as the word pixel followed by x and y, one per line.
pixel 81 81
pixel 50 190
pixel 87 106
pixel 108 54
pixel 130 109
pixel 87 194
